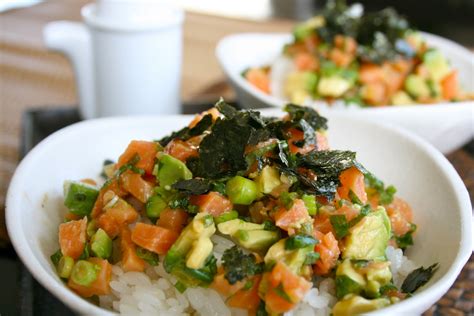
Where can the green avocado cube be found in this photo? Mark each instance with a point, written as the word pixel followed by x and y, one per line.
pixel 172 170
pixel 369 238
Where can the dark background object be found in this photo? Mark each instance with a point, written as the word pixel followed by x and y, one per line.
pixel 453 19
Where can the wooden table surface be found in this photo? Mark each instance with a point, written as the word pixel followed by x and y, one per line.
pixel 30 76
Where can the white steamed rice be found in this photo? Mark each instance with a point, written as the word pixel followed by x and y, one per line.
pixel 152 292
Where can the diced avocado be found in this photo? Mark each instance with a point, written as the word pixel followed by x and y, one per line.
pixel 303 30
pixel 436 64
pixel 155 205
pixel 435 88
pixel 190 258
pixel 190 233
pixel 417 86
pixel 355 305
pixel 171 170
pixel 268 179
pixel 348 280
pixel 369 238
pixel 232 226
pixel 256 240
pixel 378 275
pixel 301 85
pixel 333 86
pixel 79 197
pixel 294 259
pixel 241 190
pixel 249 235
pixel 198 228
pixel 201 249
pixel 276 252
pixel 101 244
pixel 402 98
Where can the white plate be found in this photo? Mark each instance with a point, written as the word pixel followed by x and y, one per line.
pixel 446 126
pixel 423 176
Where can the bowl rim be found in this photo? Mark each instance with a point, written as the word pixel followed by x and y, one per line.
pixel 273 101
pixel 22 247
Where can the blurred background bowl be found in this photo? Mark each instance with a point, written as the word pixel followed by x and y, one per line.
pixel 446 125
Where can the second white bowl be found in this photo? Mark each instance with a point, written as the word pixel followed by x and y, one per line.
pixel 447 126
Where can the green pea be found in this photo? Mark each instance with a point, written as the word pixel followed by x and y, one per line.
pixel 241 190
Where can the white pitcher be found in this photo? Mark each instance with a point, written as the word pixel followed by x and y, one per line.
pixel 126 57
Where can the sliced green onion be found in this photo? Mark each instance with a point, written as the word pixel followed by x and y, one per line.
pixel 84 273
pixel 310 203
pixel 65 266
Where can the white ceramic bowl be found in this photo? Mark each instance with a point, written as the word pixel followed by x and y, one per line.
pixel 423 176
pixel 446 126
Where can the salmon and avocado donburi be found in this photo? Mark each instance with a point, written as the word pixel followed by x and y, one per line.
pixel 238 213
pixel 367 60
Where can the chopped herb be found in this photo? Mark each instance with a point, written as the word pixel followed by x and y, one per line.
pixel 340 225
pixel 300 241
pixel 280 291
pixel 182 202
pixel 238 265
pixel 218 186
pixel 418 278
pixel 248 285
pixel 55 257
pixel 181 287
pixel 150 257
pixel 354 198
pixel 86 252
pixel 269 225
pixel 312 257
pixel 287 198
pixel 364 211
pixel 387 288
pixel 386 197
pixel 406 240
pixel 130 165
pixel 385 194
